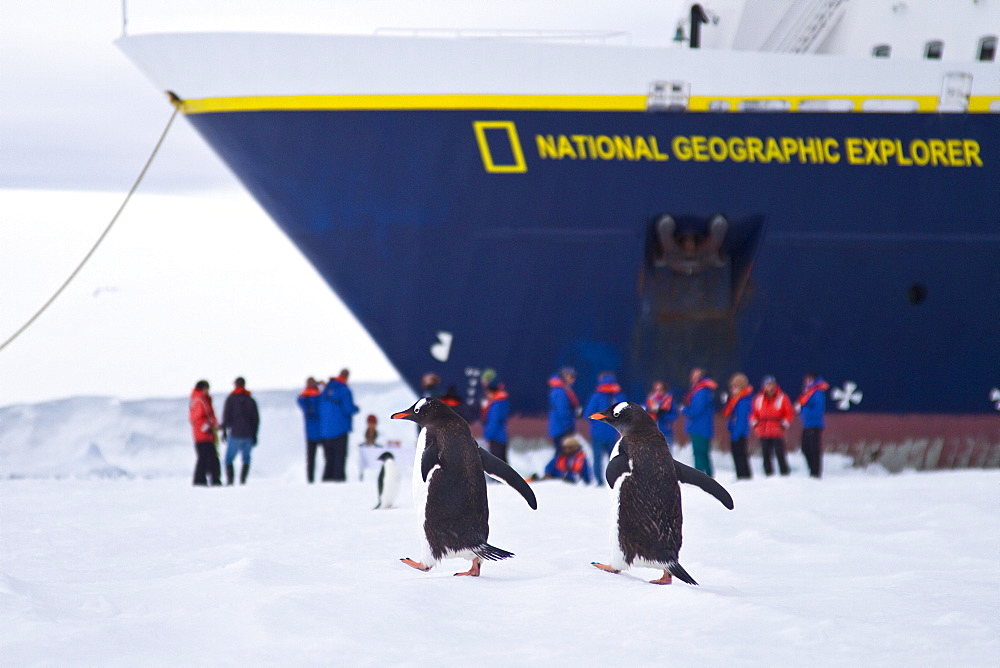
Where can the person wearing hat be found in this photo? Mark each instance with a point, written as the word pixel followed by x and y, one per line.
pixel 496 409
pixel 369 449
pixel 571 462
pixel 602 435
pixel 770 417
pixel 240 423
pixel 486 378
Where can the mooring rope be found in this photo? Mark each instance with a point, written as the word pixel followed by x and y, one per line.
pixel 107 229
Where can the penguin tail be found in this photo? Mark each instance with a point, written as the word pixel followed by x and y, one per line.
pixel 490 553
pixel 678 572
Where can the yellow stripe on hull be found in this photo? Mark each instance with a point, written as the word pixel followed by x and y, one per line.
pixel 921 103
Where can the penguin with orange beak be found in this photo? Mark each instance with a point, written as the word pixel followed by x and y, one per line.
pixel 449 488
pixel 644 478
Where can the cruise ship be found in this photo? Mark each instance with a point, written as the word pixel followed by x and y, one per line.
pixel 775 187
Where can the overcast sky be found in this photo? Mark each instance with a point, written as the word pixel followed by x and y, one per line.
pixel 76 114
pixel 194 280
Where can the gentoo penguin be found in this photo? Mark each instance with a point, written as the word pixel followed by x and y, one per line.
pixel 388 481
pixel 450 488
pixel 647 497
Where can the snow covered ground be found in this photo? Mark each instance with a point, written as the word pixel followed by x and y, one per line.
pixel 109 557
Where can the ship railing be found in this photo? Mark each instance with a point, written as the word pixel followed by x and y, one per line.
pixel 804 26
pixel 840 104
pixel 558 36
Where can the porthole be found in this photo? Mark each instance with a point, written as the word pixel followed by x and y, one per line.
pixel 987 48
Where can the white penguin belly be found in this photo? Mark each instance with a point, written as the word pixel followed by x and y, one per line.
pixel 419 488
pixel 390 483
pixel 617 555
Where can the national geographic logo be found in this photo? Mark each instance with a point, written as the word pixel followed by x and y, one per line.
pixel 499 147
pixel 501 151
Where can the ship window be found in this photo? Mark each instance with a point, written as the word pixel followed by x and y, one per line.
pixel 933 50
pixel 764 105
pixel 881 51
pixel 826 105
pixel 988 48
pixel 916 293
pixel 890 105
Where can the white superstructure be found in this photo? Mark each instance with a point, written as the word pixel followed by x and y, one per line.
pixel 805 51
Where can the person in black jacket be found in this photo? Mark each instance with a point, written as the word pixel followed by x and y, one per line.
pixel 240 421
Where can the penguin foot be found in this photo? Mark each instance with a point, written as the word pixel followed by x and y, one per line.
pixel 605 567
pixel 474 569
pixel 665 580
pixel 415 564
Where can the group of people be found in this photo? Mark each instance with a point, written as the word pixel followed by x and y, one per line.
pixel 767 415
pixel 494 408
pixel 328 410
pixel 569 460
pixel 238 430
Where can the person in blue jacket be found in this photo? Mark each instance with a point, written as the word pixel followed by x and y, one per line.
pixel 336 416
pixel 563 407
pixel 737 412
pixel 811 404
pixel 602 435
pixel 699 413
pixel 496 409
pixel 309 403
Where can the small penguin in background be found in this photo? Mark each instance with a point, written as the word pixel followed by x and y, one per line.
pixel 388 481
pixel 644 478
pixel 450 488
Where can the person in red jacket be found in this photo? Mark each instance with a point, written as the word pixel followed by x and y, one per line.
pixel 201 415
pixel 770 416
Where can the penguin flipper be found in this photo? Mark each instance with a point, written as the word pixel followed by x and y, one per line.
pixel 697 478
pixel 429 459
pixel 617 467
pixel 501 470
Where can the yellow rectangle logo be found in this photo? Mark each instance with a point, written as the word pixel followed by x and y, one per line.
pixel 499 147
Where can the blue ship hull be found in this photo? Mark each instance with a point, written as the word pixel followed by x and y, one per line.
pixel 527 240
